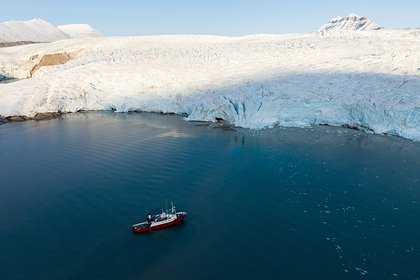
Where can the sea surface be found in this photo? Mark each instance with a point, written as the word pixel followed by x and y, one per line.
pixel 315 203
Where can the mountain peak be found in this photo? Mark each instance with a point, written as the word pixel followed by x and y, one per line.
pixel 80 30
pixel 352 22
pixel 39 30
pixel 34 30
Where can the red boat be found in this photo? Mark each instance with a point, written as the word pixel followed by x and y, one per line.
pixel 165 219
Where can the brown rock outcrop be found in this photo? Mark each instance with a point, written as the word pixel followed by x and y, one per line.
pixel 46 116
pixel 50 60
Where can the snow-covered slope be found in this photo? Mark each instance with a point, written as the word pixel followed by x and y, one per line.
pixel 79 30
pixel 351 22
pixel 371 80
pixel 35 30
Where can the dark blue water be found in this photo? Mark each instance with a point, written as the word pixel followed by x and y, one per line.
pixel 321 203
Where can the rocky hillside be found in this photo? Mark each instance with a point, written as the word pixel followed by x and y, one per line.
pixel 351 22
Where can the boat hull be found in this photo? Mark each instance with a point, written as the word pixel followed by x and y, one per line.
pixel 160 226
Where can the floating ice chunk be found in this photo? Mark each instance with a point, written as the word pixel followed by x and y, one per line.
pixel 361 271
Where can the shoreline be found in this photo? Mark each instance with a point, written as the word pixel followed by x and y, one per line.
pixel 37 117
pixel 218 124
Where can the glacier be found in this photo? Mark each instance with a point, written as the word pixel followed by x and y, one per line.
pixel 364 79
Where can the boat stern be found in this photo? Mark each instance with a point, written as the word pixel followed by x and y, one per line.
pixel 141 227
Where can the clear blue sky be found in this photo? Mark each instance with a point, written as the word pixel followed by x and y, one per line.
pixel 223 17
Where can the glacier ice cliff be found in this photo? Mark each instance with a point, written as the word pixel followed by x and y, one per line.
pixel 369 80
